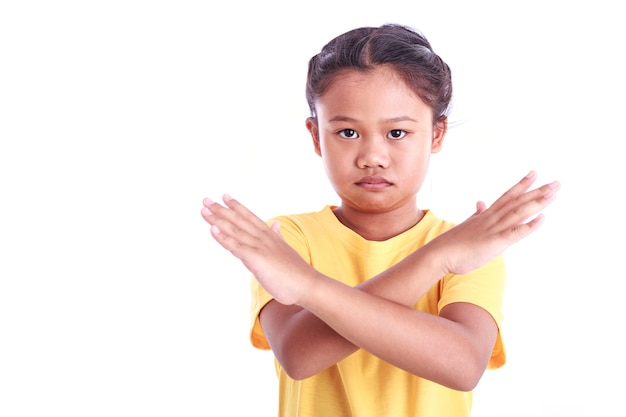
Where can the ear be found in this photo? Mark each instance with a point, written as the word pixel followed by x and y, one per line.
pixel 440 129
pixel 311 125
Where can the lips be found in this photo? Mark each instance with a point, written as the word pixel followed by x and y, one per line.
pixel 373 182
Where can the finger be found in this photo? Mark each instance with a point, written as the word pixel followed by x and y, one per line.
pixel 236 236
pixel 513 209
pixel 518 189
pixel 241 227
pixel 244 212
pixel 521 231
pixel 228 227
pixel 211 211
pixel 231 243
pixel 206 211
pixel 275 227
pixel 480 207
pixel 206 214
pixel 518 212
pixel 207 202
pixel 535 200
pixel 240 217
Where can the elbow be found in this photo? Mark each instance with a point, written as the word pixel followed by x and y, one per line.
pixel 295 368
pixel 467 382
pixel 301 360
pixel 301 363
pixel 459 370
pixel 290 360
pixel 295 375
pixel 466 377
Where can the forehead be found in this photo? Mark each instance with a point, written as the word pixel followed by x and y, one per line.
pixel 377 92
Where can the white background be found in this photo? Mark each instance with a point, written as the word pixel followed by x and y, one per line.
pixel 117 118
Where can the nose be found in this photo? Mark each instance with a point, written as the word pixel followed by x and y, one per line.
pixel 373 153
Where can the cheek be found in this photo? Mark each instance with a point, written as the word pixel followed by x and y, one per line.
pixel 412 155
pixel 414 165
pixel 333 156
pixel 333 165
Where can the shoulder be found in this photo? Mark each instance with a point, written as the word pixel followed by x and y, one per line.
pixel 306 223
pixel 313 217
pixel 433 226
pixel 303 230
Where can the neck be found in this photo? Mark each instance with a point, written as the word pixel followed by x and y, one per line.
pixel 379 226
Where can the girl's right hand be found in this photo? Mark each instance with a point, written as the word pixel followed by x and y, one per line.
pixel 276 265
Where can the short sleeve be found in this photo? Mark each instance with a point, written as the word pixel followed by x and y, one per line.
pixel 483 287
pixel 291 231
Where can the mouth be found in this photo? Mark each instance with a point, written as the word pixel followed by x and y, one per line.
pixel 375 182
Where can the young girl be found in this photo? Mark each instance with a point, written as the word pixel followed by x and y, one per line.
pixel 376 307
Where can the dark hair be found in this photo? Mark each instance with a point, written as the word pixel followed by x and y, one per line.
pixel 403 49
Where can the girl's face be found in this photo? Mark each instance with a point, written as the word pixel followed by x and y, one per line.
pixel 375 137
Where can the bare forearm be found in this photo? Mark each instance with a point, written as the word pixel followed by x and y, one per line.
pixel 430 346
pixel 407 281
pixel 303 334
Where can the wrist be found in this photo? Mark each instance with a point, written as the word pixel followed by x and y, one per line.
pixel 435 258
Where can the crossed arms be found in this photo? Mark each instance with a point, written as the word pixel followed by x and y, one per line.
pixel 317 317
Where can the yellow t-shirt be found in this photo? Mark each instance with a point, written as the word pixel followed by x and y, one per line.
pixel 362 385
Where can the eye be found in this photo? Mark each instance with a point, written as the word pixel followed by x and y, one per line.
pixel 348 134
pixel 396 134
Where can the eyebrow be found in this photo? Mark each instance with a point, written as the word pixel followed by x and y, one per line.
pixel 390 120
